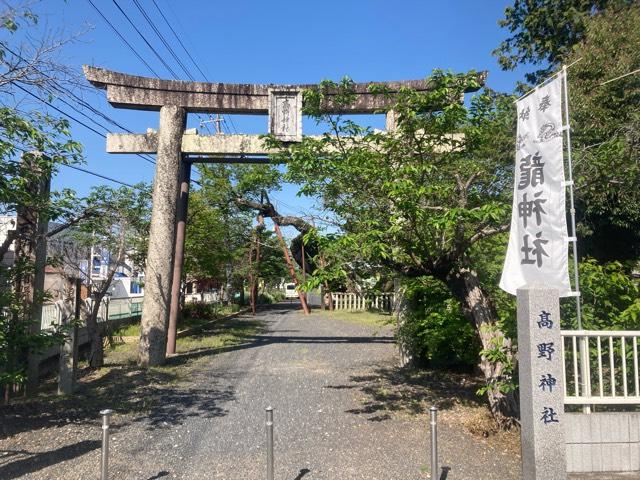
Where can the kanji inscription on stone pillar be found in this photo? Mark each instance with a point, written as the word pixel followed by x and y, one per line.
pixel 541 368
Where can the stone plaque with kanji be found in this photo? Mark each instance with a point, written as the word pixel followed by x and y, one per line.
pixel 285 114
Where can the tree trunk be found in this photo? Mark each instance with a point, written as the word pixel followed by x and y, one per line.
pixel 96 354
pixel 96 357
pixel 241 297
pixel 479 309
pixel 400 312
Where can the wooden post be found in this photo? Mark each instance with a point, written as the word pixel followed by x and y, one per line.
pixel 292 271
pixel 159 270
pixel 178 264
pixel 69 349
pixel 32 226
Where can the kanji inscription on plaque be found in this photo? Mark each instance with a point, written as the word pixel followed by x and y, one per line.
pixel 285 114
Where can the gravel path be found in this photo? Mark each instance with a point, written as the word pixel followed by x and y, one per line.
pixel 309 370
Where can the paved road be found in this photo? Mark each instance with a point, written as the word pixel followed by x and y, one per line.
pixel 310 370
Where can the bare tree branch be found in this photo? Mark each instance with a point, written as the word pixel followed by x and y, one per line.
pixel 89 212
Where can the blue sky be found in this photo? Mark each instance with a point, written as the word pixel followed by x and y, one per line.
pixel 272 42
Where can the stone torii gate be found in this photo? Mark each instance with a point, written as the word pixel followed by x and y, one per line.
pixel 176 148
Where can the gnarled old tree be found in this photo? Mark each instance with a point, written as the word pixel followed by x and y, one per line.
pixel 303 252
pixel 417 199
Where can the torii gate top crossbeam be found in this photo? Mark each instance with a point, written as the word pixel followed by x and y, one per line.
pixel 144 93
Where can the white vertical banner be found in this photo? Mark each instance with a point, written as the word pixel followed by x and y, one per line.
pixel 538 243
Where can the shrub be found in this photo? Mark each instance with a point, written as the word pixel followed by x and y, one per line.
pixel 610 298
pixel 435 331
pixel 199 310
pixel 265 298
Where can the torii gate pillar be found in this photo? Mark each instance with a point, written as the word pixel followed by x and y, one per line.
pixel 158 274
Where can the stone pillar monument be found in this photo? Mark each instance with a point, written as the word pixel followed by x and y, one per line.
pixel 541 385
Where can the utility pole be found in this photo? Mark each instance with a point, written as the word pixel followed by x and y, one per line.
pixel 216 121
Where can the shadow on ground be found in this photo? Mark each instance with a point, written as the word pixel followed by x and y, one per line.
pixel 391 389
pixel 153 396
pixel 260 340
pixel 32 462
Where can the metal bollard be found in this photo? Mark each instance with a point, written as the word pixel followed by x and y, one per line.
pixel 104 464
pixel 433 414
pixel 269 443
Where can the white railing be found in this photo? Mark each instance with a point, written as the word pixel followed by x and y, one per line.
pixel 353 301
pixel 111 308
pixel 601 367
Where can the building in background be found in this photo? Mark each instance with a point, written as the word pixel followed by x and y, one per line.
pixel 67 260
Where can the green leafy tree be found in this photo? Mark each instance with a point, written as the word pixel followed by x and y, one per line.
pixel 120 228
pixel 544 32
pixel 219 232
pixel 417 200
pixel 606 134
pixel 206 252
pixel 272 267
pixel 32 147
pixel 601 40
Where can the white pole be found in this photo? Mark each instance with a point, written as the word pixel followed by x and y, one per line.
pixel 572 210
pixel 585 383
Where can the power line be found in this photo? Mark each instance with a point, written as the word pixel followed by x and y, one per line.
pixel 100 175
pixel 71 117
pixel 75 109
pixel 65 91
pixel 179 40
pixel 169 49
pixel 61 111
pixel 155 52
pixel 164 17
pixel 289 207
pixel 163 40
pixel 86 126
pixel 117 32
pixel 153 72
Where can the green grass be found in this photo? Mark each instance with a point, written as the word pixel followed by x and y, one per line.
pixel 226 333
pixel 218 312
pixel 133 330
pixel 359 317
pixel 130 389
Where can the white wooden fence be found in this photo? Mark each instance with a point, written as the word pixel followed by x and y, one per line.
pixel 205 297
pixel 601 367
pixel 353 301
pixel 110 309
